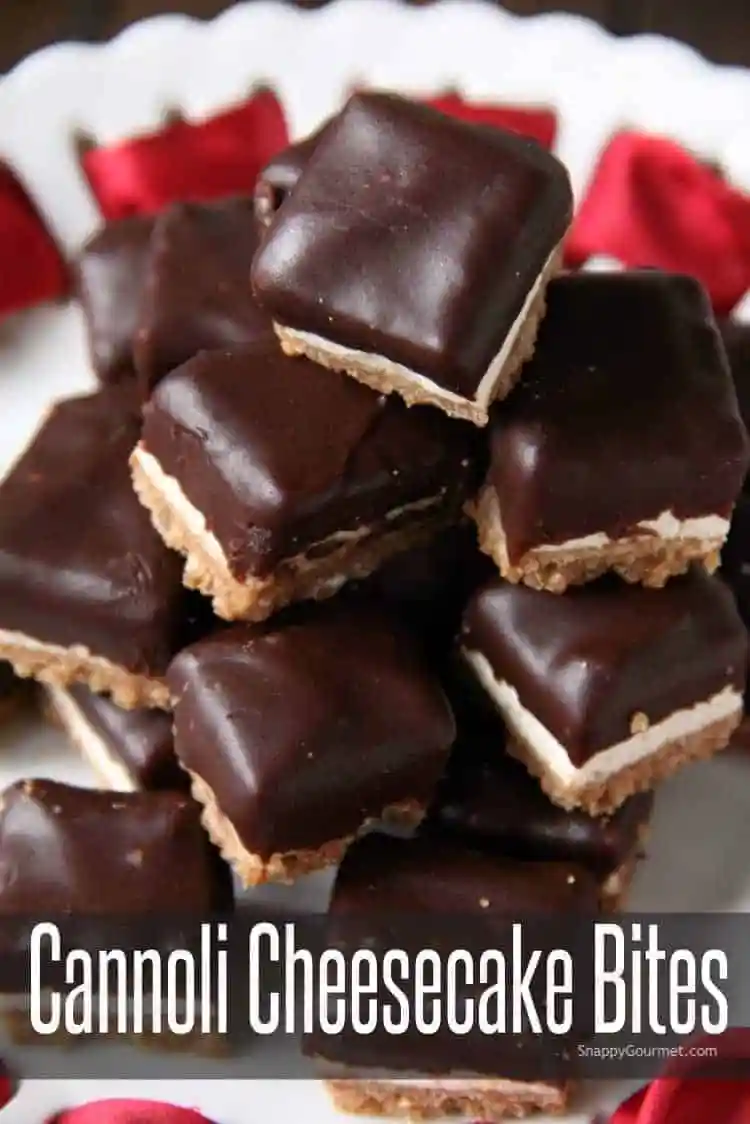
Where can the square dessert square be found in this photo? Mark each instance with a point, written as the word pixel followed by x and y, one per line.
pixel 443 894
pixel 88 591
pixel 295 737
pixel 76 851
pixel 611 688
pixel 197 293
pixel 279 481
pixel 490 801
pixel 110 272
pixel 128 750
pixel 622 447
pixel 410 279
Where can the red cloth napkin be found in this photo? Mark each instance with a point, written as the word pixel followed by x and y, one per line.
pixel 33 269
pixel 7 1087
pixel 128 1112
pixel 540 124
pixel 652 203
pixel 693 1090
pixel 220 156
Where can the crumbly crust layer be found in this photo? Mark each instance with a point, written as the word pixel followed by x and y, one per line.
pixel 647 559
pixel 285 866
pixel 602 796
pixel 414 394
pixel 500 1100
pixel 304 577
pixel 48 663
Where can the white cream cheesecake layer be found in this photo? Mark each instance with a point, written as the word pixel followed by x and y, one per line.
pixel 552 755
pixel 194 521
pixel 172 493
pixel 466 1084
pixel 371 363
pixel 89 741
pixel 713 528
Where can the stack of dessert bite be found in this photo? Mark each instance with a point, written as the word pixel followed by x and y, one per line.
pixel 329 397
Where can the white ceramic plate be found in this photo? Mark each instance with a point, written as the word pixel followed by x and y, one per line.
pixel 701 838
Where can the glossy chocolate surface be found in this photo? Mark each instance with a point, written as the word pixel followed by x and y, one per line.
pixel 9 681
pixel 197 292
pixel 428 586
pixel 491 801
pixel 110 276
pixel 140 740
pixel 442 895
pixel 278 453
pixel 736 338
pixel 384 874
pixel 383 249
pixel 304 731
pixel 626 411
pixel 281 175
pixel 80 562
pixel 79 851
pixel 585 663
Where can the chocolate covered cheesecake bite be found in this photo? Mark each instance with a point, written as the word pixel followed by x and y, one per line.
pixel 279 481
pixel 111 271
pixel 489 800
pixel 281 175
pixel 611 688
pixel 444 891
pixel 414 281
pixel 197 293
pixel 88 591
pixel 128 750
pixel 622 447
pixel 295 737
pixel 76 851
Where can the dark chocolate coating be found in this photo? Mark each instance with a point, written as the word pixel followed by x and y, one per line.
pixel 626 410
pixel 491 801
pixel 385 247
pixel 304 732
pixel 281 175
pixel 278 453
pixel 110 275
pixel 585 663
pixel 9 681
pixel 736 338
pixel 197 292
pixel 382 874
pixel 140 739
pixel 80 562
pixel 428 586
pixel 66 850
pixel 442 895
pixel 735 570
